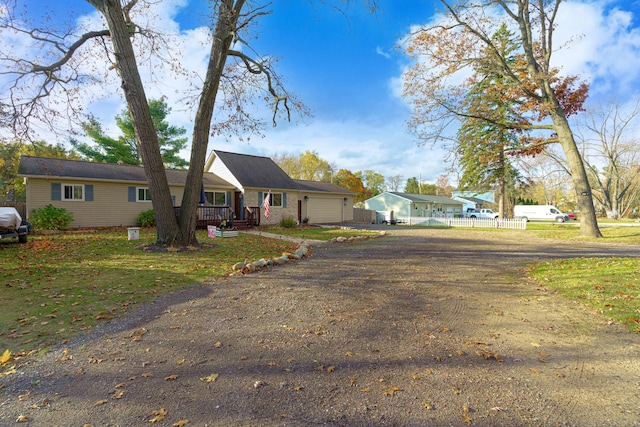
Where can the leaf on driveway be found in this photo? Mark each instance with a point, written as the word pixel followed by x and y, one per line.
pixel 158 415
pixel 181 423
pixel 467 419
pixel 137 334
pixel 118 394
pixel 171 377
pixel 210 378
pixel 100 402
pixel 391 391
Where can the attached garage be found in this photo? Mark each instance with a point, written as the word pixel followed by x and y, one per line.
pixel 325 209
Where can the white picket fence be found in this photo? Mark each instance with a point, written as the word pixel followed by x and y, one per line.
pixel 509 224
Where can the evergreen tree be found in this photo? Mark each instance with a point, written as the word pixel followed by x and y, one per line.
pixel 125 148
pixel 484 143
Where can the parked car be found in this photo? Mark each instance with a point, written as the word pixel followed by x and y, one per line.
pixel 482 213
pixel 572 216
pixel 13 226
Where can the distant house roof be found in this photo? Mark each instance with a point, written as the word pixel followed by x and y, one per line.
pixel 430 198
pixel 326 187
pixel 59 168
pixel 256 171
pixel 475 200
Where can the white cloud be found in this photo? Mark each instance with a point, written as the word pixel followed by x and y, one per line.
pixel 382 52
pixel 356 146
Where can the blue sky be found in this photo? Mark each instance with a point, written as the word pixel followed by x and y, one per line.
pixel 347 70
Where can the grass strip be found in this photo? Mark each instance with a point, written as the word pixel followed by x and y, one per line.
pixel 610 286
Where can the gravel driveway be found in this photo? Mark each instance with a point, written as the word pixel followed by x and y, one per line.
pixel 418 328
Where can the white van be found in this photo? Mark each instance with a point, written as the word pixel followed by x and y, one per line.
pixel 539 213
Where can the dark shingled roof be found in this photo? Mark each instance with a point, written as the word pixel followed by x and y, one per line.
pixel 45 167
pixel 256 171
pixel 325 187
pixel 263 172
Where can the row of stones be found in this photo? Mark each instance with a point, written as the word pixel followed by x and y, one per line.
pixel 249 267
pixel 301 252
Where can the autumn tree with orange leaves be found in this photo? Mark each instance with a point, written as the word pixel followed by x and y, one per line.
pixel 446 55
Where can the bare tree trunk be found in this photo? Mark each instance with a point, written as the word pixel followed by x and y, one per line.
pixel 588 221
pixel 167 229
pixel 228 14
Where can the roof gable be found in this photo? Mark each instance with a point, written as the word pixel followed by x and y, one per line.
pixel 256 171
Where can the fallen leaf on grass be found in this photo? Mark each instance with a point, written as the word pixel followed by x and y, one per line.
pixel 22 419
pixel 331 368
pixel 180 423
pixel 210 378
pixel 6 356
pixel 25 396
pixel 158 415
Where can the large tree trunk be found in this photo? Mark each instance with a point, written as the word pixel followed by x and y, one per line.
pixel 588 221
pixel 228 14
pixel 167 228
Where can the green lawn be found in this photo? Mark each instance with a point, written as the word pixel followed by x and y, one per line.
pixel 56 286
pixel 610 286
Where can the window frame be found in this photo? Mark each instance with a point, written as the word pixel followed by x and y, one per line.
pixel 213 198
pixel 63 192
pixel 146 193
pixel 272 200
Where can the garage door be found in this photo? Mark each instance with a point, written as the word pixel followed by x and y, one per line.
pixel 324 209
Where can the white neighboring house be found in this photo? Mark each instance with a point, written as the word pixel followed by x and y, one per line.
pixel 405 205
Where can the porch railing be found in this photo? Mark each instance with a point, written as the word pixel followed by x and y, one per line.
pixel 215 215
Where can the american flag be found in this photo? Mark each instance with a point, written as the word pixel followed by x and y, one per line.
pixel 267 205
